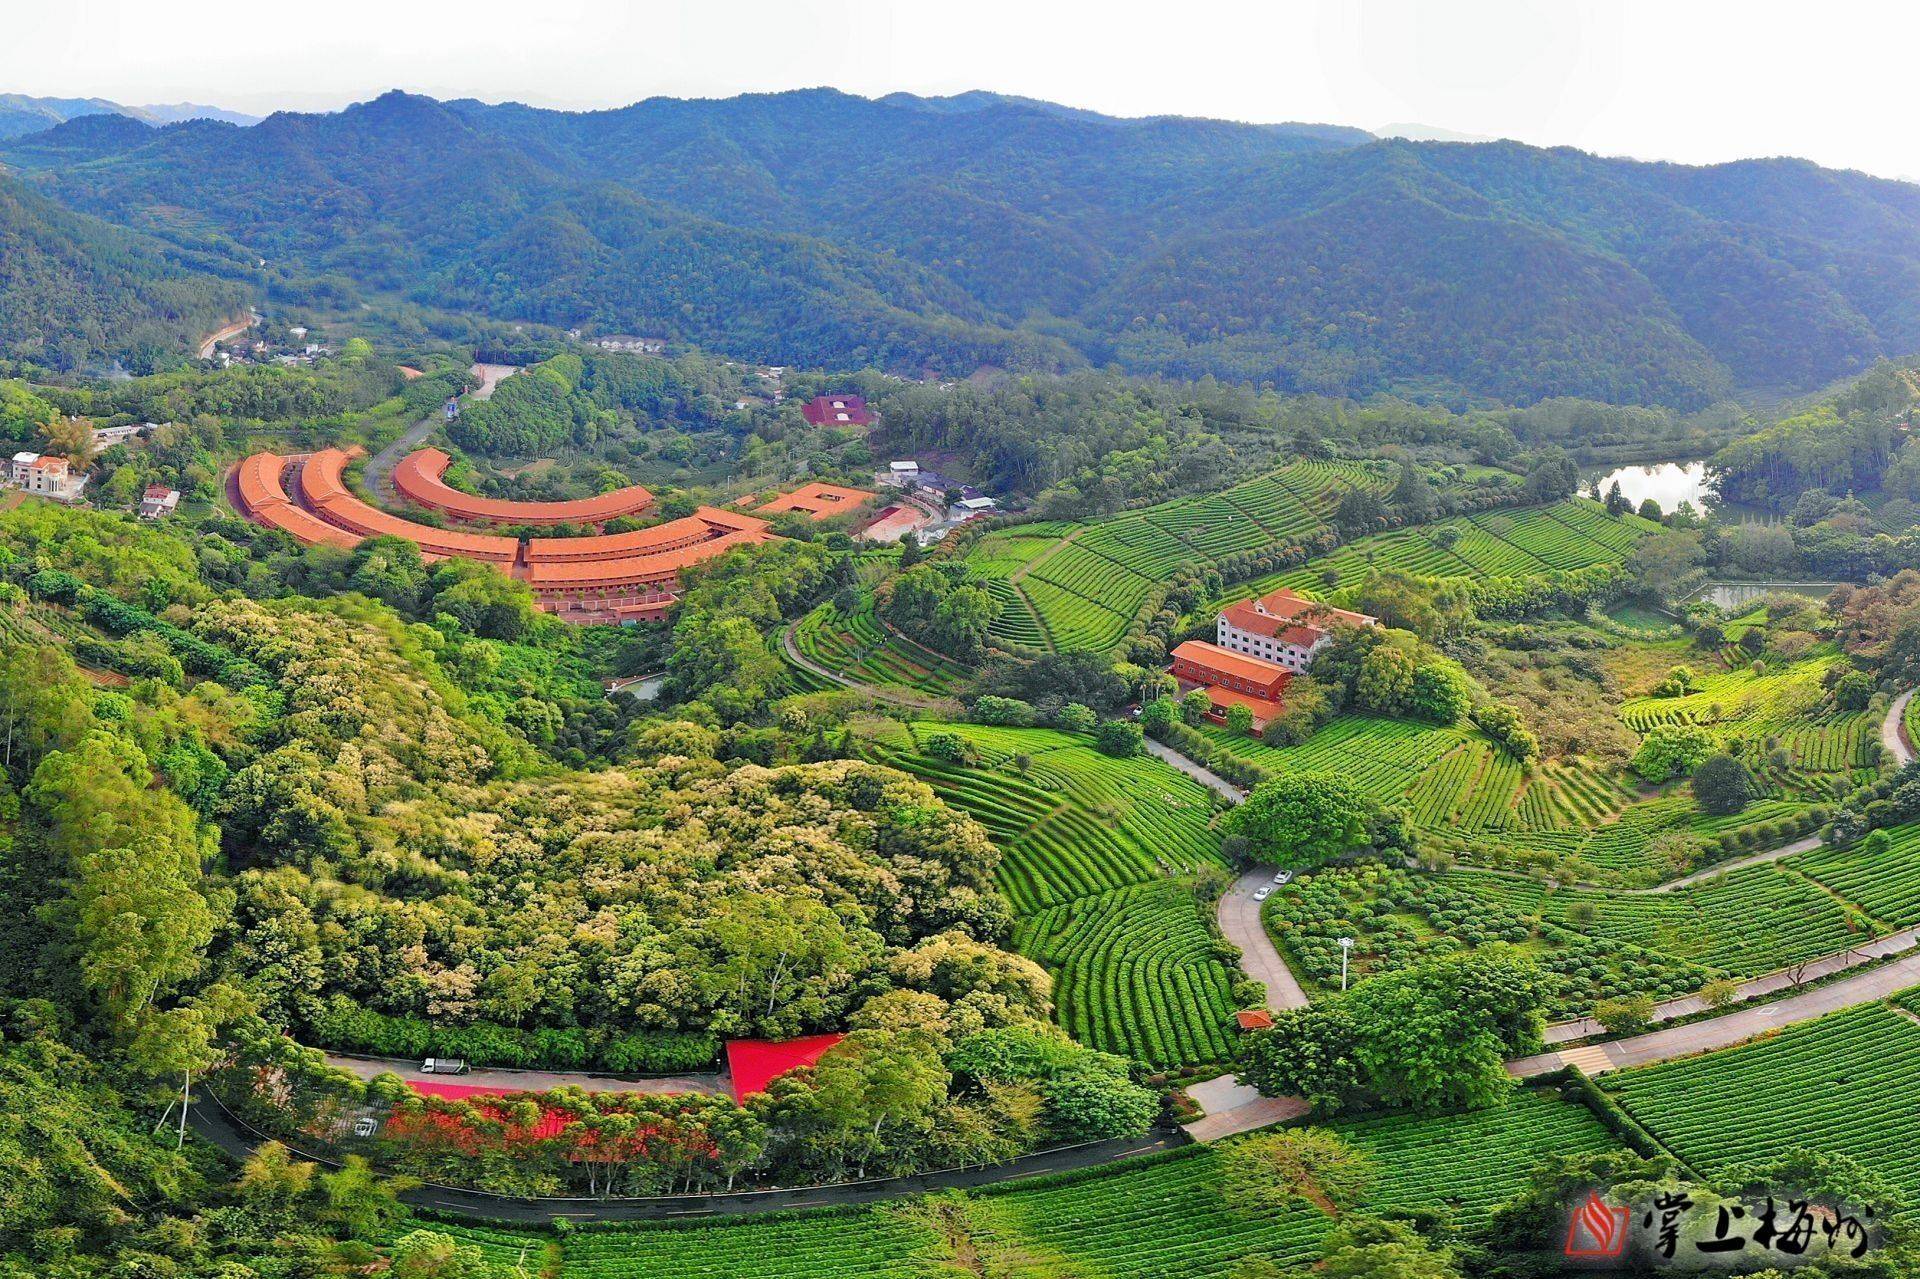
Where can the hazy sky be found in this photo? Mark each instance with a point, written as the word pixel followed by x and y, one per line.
pixel 1693 80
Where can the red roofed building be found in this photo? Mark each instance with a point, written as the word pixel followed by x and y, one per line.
pixel 1282 627
pixel 837 410
pixel 1254 1019
pixel 1231 679
pixel 755 1063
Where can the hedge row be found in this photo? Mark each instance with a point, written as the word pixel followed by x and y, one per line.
pixel 345 1026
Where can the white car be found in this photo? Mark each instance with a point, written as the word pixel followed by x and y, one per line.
pixel 1283 878
pixel 1260 893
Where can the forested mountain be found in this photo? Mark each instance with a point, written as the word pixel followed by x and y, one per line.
pixel 819 228
pixel 75 291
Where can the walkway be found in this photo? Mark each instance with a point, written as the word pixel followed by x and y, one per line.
pixel 1733 1027
pixel 1239 916
pixel 529 1080
pixel 1893 730
pixel 1199 772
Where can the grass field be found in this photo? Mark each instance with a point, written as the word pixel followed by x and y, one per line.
pixel 1161 1216
pixel 1842 1085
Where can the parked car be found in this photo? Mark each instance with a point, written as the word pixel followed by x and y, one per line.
pixel 1284 877
pixel 443 1066
pixel 1260 893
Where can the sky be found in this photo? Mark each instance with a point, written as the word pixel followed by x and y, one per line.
pixel 1698 81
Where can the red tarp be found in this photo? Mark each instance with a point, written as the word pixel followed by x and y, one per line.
pixel 755 1063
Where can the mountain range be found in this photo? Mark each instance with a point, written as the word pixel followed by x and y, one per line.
pixel 944 234
pixel 21 114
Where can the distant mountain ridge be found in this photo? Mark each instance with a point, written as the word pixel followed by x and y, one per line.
pixel 21 114
pixel 819 228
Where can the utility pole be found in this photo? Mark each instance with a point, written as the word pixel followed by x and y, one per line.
pixel 1346 948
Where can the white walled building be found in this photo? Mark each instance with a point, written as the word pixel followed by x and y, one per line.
pixel 46 475
pixel 1282 627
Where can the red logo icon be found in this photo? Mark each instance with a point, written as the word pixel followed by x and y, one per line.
pixel 1597 1229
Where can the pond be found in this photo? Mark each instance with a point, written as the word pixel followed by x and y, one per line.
pixel 1733 595
pixel 1668 483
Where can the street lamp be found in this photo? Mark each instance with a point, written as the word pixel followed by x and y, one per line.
pixel 1346 948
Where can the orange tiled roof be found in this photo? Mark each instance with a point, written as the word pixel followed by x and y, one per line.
pixel 598 574
pixel 263 499
pixel 821 501
pixel 323 488
pixel 1228 662
pixel 1290 606
pixel 705 524
pixel 418 477
pixel 1263 708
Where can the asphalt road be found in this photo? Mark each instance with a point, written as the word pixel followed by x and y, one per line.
pixel 1239 916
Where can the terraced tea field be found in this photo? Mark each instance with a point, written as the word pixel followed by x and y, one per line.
pixel 1074 822
pixel 855 646
pixel 1096 855
pixel 1135 973
pixel 1383 757
pixel 1784 704
pixel 1533 542
pixel 1886 885
pixel 1066 586
pixel 1162 1215
pixel 1842 1085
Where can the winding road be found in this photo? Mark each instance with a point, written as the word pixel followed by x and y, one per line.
pixel 378 475
pixel 1231 1107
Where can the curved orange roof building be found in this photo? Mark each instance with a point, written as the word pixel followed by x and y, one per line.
pixel 259 493
pixel 418 478
pixel 618 577
pixel 323 489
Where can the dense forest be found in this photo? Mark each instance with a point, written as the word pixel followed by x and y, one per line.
pixel 75 292
pixel 999 232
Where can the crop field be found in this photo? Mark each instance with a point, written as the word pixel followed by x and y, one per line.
pixel 1747 921
pixel 1398 919
pixel 1886 885
pixel 1842 1085
pixel 1783 704
pixel 856 646
pixel 507 1254
pixel 1383 757
pixel 1076 822
pixel 1158 1216
pixel 1082 585
pixel 1572 534
pixel 886 1242
pixel 1135 972
pixel 1095 851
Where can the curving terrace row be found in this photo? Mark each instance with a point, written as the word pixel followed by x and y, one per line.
pixel 418 479
pixel 616 577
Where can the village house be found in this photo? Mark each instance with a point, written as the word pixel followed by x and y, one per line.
pixel 1230 679
pixel 157 501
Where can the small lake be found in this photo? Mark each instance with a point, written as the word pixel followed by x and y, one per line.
pixel 1668 483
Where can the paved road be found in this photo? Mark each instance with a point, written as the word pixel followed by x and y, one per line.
pixel 221 334
pixel 1192 768
pixel 1733 1027
pixel 379 468
pixel 212 1122
pixel 1239 916
pixel 529 1080
pixel 1893 729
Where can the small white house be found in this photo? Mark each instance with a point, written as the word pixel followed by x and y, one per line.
pixel 903 473
pixel 968 507
pixel 105 437
pixel 158 500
